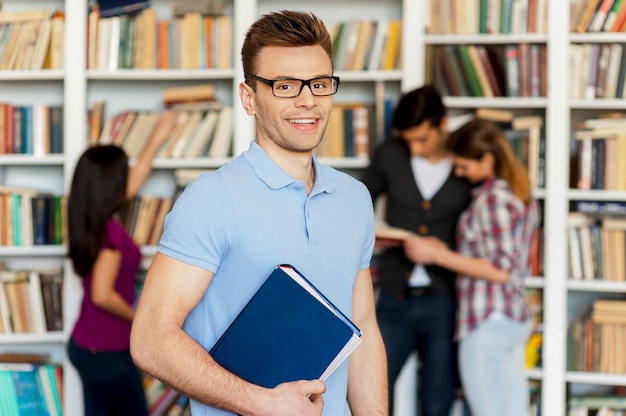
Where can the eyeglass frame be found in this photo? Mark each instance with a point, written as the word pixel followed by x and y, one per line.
pixel 303 83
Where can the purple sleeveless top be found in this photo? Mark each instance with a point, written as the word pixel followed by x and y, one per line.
pixel 96 328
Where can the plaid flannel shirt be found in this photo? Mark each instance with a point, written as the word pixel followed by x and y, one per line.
pixel 499 227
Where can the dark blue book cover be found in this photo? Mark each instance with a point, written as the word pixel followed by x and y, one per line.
pixel 110 8
pixel 287 331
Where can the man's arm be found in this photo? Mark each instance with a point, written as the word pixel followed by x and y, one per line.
pixel 367 377
pixel 160 347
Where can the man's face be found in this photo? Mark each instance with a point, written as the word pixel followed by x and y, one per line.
pixel 424 140
pixel 293 124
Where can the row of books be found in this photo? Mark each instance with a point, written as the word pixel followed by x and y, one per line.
pixel 200 132
pixel 597 71
pixel 35 129
pixel 145 217
pixel 349 132
pixel 29 218
pixel 31 389
pixel 31 301
pixel 142 41
pixel 601 153
pixel 487 16
pixel 597 247
pixel 31 40
pixel 360 45
pixel 491 70
pixel 597 339
pixel 597 16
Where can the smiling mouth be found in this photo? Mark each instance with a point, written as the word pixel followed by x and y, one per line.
pixel 303 121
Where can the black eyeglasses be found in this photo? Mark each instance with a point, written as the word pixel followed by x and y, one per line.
pixel 292 87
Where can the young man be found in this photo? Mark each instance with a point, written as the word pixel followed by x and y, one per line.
pixel 273 204
pixel 416 307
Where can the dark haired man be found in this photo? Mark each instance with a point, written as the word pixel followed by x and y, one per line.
pixel 416 307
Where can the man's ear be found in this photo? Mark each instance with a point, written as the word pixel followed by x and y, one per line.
pixel 247 96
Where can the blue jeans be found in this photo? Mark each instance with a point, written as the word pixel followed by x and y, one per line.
pixel 424 324
pixel 111 383
pixel 492 367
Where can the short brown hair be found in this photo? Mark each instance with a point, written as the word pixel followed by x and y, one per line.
pixel 285 28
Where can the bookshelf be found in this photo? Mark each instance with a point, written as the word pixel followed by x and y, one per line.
pixel 78 88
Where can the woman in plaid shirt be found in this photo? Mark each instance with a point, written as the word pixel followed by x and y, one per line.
pixel 493 241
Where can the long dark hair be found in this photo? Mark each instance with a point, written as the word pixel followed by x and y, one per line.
pixel 478 137
pixel 97 192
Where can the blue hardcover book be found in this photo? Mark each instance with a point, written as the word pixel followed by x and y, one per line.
pixel 287 331
pixel 29 393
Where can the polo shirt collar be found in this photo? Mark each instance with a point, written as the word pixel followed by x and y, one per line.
pixel 275 178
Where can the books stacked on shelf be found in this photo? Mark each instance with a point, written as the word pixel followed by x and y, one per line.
pixel 145 217
pixel 31 40
pixel 360 45
pixel 35 129
pixel 349 132
pixel 30 385
pixel 31 301
pixel 139 40
pixel 490 70
pixel 204 127
pixel 597 248
pixel 487 16
pixel 601 153
pixel 29 217
pixel 164 400
pixel 597 16
pixel 597 339
pixel 597 70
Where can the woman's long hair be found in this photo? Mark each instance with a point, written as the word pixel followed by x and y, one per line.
pixel 97 192
pixel 478 137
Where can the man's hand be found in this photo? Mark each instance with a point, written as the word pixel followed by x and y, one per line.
pixel 302 398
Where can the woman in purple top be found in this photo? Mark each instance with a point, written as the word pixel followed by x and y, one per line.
pixel 105 257
pixel 493 257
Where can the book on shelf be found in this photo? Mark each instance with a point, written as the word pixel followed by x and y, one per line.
pixel 487 16
pixel 31 389
pixel 31 301
pixel 600 153
pixel 185 94
pixel 142 40
pixel 31 40
pixel 514 70
pixel 30 129
pixel 287 331
pixel 349 132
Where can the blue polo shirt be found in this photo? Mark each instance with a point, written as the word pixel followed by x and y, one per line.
pixel 249 216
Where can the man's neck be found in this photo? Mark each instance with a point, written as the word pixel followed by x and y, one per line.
pixel 298 165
